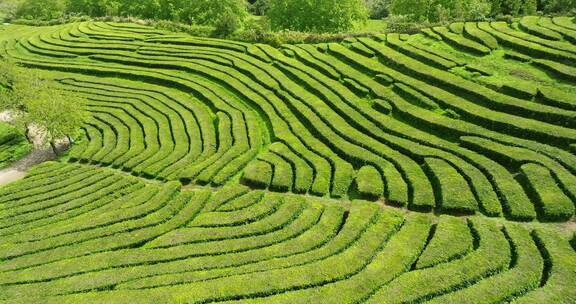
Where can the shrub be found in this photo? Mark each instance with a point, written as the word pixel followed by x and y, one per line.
pixel 402 24
pixel 39 9
pixel 259 7
pixel 325 16
pixel 209 12
pixel 227 24
pixel 378 9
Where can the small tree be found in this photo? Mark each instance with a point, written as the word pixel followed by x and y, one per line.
pixel 416 10
pixel 316 15
pixel 227 24
pixel 478 10
pixel 16 87
pixel 259 7
pixel 8 10
pixel 557 6
pixel 378 9
pixel 512 7
pixel 212 12
pixel 58 115
pixel 34 101
pixel 529 7
pixel 40 9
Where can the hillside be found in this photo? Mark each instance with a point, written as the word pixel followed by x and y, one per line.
pixel 433 167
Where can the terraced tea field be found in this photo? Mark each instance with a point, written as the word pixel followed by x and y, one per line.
pixel 437 167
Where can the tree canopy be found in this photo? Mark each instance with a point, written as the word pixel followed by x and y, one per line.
pixel 35 101
pixel 316 15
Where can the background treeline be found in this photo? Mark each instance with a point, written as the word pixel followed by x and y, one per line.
pixel 440 10
pixel 228 16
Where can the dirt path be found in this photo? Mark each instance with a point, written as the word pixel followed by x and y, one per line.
pixel 39 154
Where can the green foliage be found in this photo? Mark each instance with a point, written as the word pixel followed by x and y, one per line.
pixel 316 16
pixel 415 10
pixel 34 101
pixel 259 7
pixel 13 144
pixel 458 10
pixel 557 6
pixel 8 10
pixel 227 24
pixel 378 9
pixel 369 182
pixel 554 205
pixel 226 14
pixel 452 240
pixel 529 7
pixel 59 115
pixel 441 10
pixel 40 9
pixel 423 117
pixel 209 12
pixel 258 174
pixel 95 8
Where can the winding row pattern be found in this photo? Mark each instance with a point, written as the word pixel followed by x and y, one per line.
pixel 411 120
pixel 77 234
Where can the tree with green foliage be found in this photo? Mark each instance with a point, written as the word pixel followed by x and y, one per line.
pixel 512 7
pixel 210 12
pixel 35 101
pixel 8 10
pixel 529 7
pixel 316 15
pixel 556 6
pixel 378 9
pixel 415 10
pixel 227 24
pixel 458 10
pixel 40 9
pixel 16 87
pixel 478 10
pixel 259 7
pixel 94 8
pixel 58 115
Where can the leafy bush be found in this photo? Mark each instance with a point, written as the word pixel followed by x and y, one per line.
pixel 209 12
pixel 402 24
pixel 378 9
pixel 8 10
pixel 39 9
pixel 227 24
pixel 314 16
pixel 194 30
pixel 557 6
pixel 259 7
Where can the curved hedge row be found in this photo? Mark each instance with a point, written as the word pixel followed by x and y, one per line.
pixel 157 242
pixel 397 119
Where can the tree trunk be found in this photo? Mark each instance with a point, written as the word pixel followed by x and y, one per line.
pixel 54 149
pixel 27 134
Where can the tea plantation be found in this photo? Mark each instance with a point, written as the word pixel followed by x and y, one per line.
pixel 436 167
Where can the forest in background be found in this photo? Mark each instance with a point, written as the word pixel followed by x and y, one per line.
pixel 305 15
